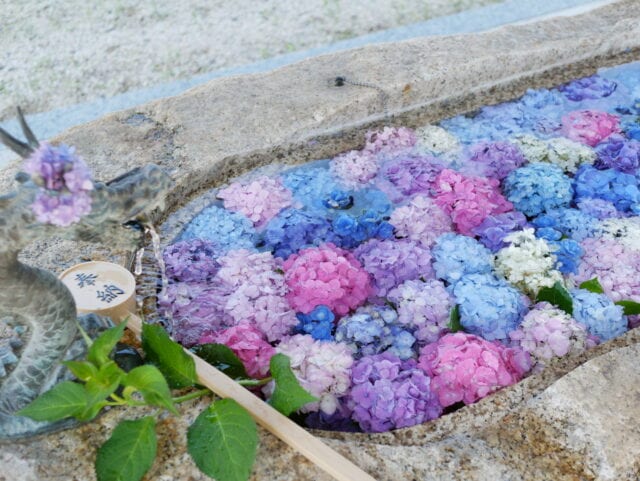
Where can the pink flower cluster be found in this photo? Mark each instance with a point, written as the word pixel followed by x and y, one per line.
pixel 325 275
pixel 589 127
pixel 469 200
pixel 322 368
pixel 248 343
pixel 420 220
pixel 259 200
pixel 355 168
pixel 390 140
pixel 466 368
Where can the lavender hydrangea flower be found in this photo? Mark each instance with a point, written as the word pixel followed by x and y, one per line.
pixel 407 175
pixel 292 230
pixel 599 208
pixel 65 184
pixel 494 159
pixel 493 230
pixel 611 185
pixel 602 317
pixel 192 260
pixel 593 87
pixel 420 220
pixel 457 255
pixel 228 230
pixel 423 307
pixel 489 307
pixel 538 187
pixel 616 152
pixel 388 393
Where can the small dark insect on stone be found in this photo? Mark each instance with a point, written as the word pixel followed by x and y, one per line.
pixel 339 81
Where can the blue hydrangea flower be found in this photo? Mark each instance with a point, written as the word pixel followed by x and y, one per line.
pixel 617 187
pixel 538 187
pixel 630 125
pixel 338 199
pixel 568 253
pixel 372 330
pixel 565 222
pixel 458 255
pixel 311 186
pixel 318 323
pixel 293 229
pixel 228 230
pixel 350 231
pixel 602 317
pixel 489 307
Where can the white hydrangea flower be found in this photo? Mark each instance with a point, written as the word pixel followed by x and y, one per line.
pixel 528 263
pixel 626 231
pixel 436 140
pixel 565 153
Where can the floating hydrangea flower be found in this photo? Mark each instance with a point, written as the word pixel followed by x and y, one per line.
pixel 65 184
pixel 390 140
pixel 372 330
pixel 228 230
pixel 467 368
pixel 617 187
pixel 538 187
pixel 614 264
pixel 469 200
pixel 488 306
pixel 322 368
pixel 318 323
pixel 598 208
pixel 325 275
pixel 388 393
pixel 589 127
pixel 625 230
pixel 631 127
pixel 420 220
pixel 406 175
pixel 456 255
pixel 248 343
pixel 568 253
pixel 547 332
pixel 602 317
pixel 618 153
pixel 494 159
pixel 191 260
pixel 392 262
pixel 293 229
pixel 565 153
pixel 495 228
pixel 436 140
pixel 528 262
pixel 423 307
pixel 310 185
pixel 355 168
pixel 566 222
pixel 593 87
pixel 260 200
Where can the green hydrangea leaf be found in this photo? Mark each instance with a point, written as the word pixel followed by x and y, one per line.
pixel 592 285
pixel 288 395
pixel 631 308
pixel 223 441
pixel 129 453
pixel 222 358
pixel 558 296
pixel 177 366
pixel 99 387
pixel 104 344
pixel 454 319
pixel 83 370
pixel 66 399
pixel 151 384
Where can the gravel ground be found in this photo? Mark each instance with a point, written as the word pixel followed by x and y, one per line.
pixel 57 53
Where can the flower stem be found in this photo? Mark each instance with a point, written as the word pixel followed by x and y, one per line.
pixel 254 382
pixel 191 395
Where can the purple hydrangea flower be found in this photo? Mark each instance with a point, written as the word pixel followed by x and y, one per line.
pixel 616 152
pixel 404 176
pixel 495 228
pixel 191 260
pixel 593 87
pixel 494 159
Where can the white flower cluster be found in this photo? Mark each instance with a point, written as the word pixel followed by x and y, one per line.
pixel 436 140
pixel 565 153
pixel 528 263
pixel 626 231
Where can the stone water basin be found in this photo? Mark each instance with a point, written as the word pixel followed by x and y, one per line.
pixel 550 426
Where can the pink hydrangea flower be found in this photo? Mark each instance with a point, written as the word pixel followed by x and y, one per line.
pixel 390 140
pixel 420 220
pixel 355 168
pixel 466 368
pixel 325 275
pixel 259 200
pixel 322 368
pixel 469 200
pixel 589 127
pixel 248 343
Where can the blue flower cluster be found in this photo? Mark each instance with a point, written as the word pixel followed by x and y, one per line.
pixel 228 230
pixel 489 307
pixel 568 253
pixel 617 187
pixel 593 87
pixel 455 256
pixel 565 222
pixel 602 317
pixel 538 187
pixel 293 229
pixel 318 323
pixel 372 330
pixel 310 186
